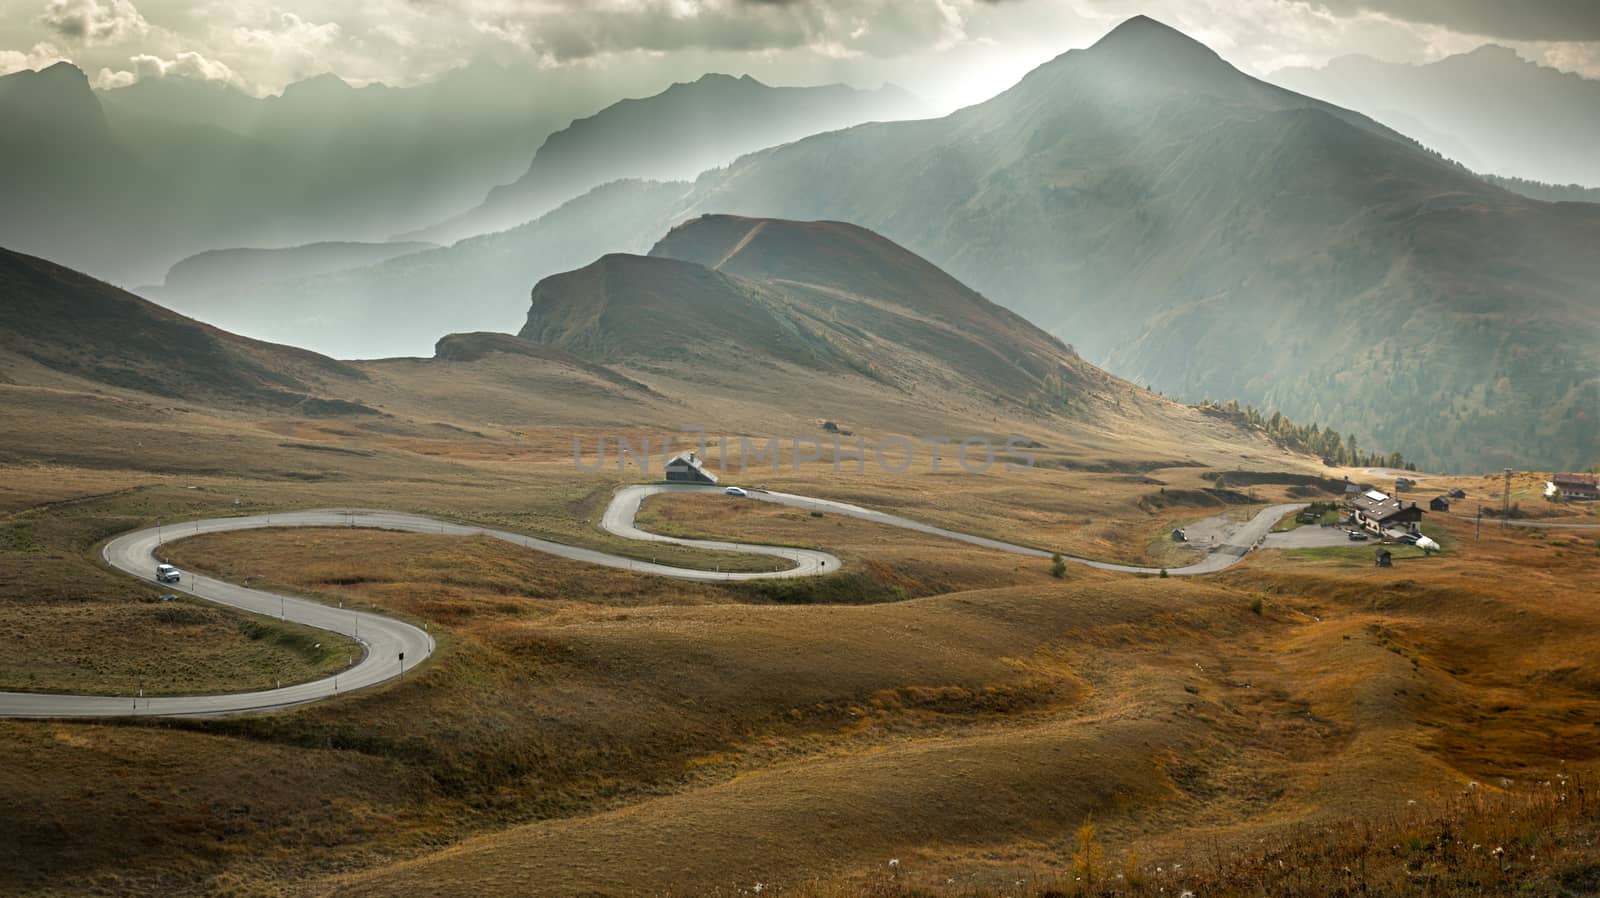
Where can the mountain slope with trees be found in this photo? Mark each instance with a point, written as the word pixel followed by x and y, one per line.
pixel 1489 109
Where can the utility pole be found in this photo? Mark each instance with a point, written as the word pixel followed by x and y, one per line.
pixel 1505 513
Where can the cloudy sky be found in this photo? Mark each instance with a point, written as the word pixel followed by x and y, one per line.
pixel 950 51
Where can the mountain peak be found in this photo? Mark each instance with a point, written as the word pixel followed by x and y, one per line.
pixel 721 79
pixel 1142 55
pixel 1496 53
pixel 52 104
pixel 323 85
pixel 65 70
pixel 1142 34
pixel 1138 24
pixel 61 74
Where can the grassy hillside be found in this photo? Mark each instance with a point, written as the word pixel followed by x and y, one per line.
pixel 73 325
pixel 731 302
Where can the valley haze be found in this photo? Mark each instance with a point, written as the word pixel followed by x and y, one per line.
pixel 824 449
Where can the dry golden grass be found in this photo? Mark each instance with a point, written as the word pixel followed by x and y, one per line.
pixel 68 623
pixel 1268 722
pixel 1530 838
pixel 583 730
pixel 113 809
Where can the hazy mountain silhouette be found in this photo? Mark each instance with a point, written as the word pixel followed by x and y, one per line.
pixel 371 161
pixel 68 186
pixel 327 161
pixel 1550 193
pixel 673 135
pixel 402 306
pixel 1489 109
pixel 125 182
pixel 203 277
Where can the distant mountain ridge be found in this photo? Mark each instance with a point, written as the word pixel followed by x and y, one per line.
pixel 200 279
pixel 52 106
pixel 219 168
pixel 328 161
pixel 673 135
pixel 1188 227
pixel 63 176
pixel 400 307
pixel 1550 193
pixel 1489 109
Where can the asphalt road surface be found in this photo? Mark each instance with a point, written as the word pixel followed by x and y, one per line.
pixel 1227 553
pixel 385 640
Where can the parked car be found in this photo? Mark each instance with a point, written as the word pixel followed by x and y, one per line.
pixel 736 491
pixel 169 597
pixel 1358 536
pixel 166 573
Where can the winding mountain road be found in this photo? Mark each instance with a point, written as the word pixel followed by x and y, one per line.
pixel 620 514
pixel 392 646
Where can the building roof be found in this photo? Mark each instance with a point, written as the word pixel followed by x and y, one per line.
pixel 1584 480
pixel 686 463
pixel 1378 506
pixel 686 460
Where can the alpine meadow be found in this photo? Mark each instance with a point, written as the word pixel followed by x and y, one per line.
pixel 820 448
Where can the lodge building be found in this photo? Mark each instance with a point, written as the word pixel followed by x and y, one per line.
pixel 1584 487
pixel 1385 515
pixel 686 468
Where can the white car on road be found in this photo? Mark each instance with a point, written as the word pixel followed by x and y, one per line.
pixel 166 573
pixel 736 491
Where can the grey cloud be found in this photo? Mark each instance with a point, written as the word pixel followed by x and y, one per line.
pixel 871 27
pixel 1534 20
pixel 93 21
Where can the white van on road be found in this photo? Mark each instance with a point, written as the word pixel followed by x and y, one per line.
pixel 166 573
